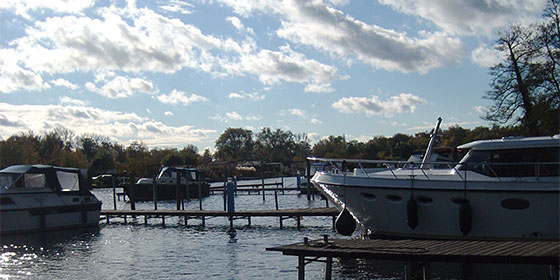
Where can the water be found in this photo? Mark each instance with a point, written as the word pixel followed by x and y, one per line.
pixel 136 251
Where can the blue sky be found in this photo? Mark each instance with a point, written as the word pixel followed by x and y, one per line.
pixel 172 73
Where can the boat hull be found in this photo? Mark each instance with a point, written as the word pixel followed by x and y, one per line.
pixel 497 213
pixel 33 218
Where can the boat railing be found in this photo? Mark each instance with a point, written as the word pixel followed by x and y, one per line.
pixel 491 169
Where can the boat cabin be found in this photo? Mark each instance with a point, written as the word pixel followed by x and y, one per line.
pixel 22 178
pixel 513 157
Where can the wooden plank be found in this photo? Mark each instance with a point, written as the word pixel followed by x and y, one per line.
pixel 435 250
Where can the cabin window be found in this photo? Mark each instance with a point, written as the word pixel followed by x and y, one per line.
pixel 368 196
pixel 7 180
pixel 68 181
pixel 515 204
pixel 34 181
pixel 393 198
pixel 530 162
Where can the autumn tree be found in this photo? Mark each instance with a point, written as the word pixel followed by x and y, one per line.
pixel 235 144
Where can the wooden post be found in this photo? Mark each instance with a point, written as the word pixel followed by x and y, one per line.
pixel 407 271
pixel 154 192
pixel 426 271
pixel 262 180
pixel 282 177
pixel 114 192
pixel 328 269
pixel 281 220
pixel 298 219
pixel 132 198
pixel 308 169
pixel 178 196
pixel 276 199
pixel 298 181
pixel 301 267
pixel 198 174
pixel 145 220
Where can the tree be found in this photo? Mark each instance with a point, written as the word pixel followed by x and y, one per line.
pixel 172 160
pixel 525 84
pixel 235 144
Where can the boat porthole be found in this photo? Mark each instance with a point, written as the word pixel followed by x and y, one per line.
pixel 515 204
pixel 458 200
pixel 393 198
pixel 424 200
pixel 368 196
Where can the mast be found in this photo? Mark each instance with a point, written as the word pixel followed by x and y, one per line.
pixel 428 153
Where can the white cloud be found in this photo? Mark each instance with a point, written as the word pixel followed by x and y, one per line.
pixel 122 87
pixel 13 77
pixel 72 101
pixel 234 116
pixel 119 126
pixel 316 121
pixel 176 6
pixel 168 113
pixel 287 65
pixel 471 17
pixel 64 83
pixel 481 109
pixel 22 8
pixel 402 103
pixel 330 30
pixel 176 96
pixel 485 56
pixel 239 26
pixel 251 96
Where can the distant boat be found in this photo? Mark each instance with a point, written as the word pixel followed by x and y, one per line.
pixel 192 185
pixel 505 188
pixel 44 197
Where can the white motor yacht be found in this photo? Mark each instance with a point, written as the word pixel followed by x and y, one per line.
pixel 44 197
pixel 505 188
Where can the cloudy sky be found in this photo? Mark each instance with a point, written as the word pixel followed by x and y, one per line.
pixel 172 73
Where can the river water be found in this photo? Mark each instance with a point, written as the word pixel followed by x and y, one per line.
pixel 176 251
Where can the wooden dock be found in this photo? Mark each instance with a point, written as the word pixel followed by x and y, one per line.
pixel 424 251
pixel 282 214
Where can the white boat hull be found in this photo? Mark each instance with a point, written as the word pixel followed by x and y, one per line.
pixel 28 215
pixel 523 210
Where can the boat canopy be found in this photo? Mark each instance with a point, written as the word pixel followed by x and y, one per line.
pixel 41 176
pixel 513 143
pixel 190 173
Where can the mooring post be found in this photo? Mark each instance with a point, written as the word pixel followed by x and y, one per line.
pixel 198 174
pixel 298 181
pixel 282 178
pixel 298 219
pixel 426 271
pixel 132 198
pixel 407 271
pixel 114 192
pixel 178 196
pixel 276 199
pixel 224 191
pixel 301 267
pixel 154 194
pixel 262 180
pixel 328 269
pixel 230 198
pixel 308 169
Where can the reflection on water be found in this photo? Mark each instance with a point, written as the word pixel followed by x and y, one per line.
pixel 175 251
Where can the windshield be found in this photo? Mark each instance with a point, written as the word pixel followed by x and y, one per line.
pixel 7 180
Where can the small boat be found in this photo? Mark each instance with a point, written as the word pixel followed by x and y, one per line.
pixel 44 197
pixel 506 188
pixel 192 185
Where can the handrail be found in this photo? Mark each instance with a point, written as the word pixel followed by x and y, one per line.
pixel 452 166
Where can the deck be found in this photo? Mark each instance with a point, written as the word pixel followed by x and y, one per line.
pixel 425 251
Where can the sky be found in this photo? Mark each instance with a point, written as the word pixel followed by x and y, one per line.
pixel 173 73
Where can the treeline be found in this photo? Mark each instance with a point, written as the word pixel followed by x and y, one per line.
pixel 99 154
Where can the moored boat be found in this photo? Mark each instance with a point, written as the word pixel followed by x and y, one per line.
pixel 505 188
pixel 192 185
pixel 44 197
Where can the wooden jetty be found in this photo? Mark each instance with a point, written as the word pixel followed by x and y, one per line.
pixel 424 252
pixel 282 214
